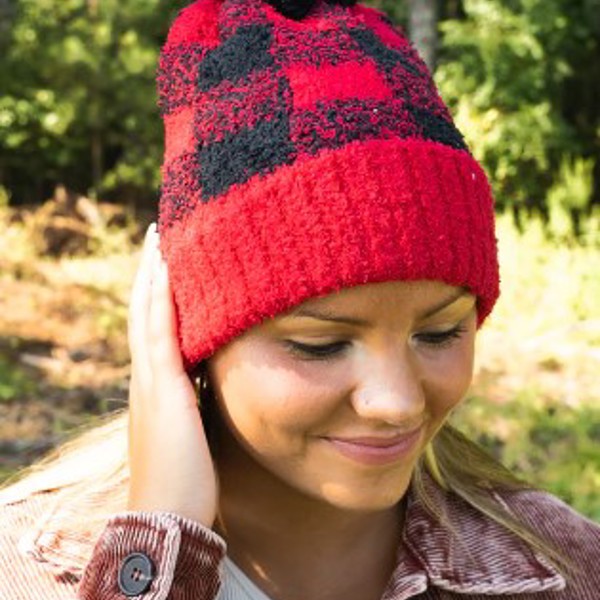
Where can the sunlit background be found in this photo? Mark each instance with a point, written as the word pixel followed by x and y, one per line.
pixel 80 149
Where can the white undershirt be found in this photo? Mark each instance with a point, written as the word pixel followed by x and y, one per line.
pixel 236 585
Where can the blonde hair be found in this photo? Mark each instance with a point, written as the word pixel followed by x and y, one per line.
pixel 459 465
pixel 92 464
pixel 95 465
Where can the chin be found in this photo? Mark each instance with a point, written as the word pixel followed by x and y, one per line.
pixel 370 498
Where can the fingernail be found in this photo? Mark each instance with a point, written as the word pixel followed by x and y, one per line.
pixel 151 230
pixel 153 240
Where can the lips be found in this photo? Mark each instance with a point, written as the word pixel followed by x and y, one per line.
pixel 377 450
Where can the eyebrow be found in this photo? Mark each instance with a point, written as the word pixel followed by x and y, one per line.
pixel 325 315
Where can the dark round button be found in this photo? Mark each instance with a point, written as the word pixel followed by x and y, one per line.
pixel 136 574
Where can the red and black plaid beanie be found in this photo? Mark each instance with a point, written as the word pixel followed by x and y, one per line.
pixel 307 150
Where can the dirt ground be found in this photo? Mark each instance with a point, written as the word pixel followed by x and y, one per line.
pixel 52 335
pixel 63 351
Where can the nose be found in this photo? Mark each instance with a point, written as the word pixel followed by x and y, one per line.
pixel 390 389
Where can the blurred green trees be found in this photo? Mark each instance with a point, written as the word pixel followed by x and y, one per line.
pixel 78 103
pixel 522 77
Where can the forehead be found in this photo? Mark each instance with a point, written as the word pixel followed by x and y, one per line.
pixel 382 306
pixel 397 294
pixel 417 299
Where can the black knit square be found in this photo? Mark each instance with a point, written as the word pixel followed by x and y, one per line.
pixel 244 52
pixel 386 57
pixel 249 152
pixel 436 128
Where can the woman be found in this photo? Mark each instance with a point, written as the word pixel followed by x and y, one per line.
pixel 326 256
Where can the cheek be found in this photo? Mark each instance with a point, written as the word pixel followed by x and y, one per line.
pixel 449 377
pixel 271 398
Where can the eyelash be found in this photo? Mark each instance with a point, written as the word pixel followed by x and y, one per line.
pixel 437 340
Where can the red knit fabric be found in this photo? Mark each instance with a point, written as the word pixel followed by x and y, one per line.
pixel 179 134
pixel 197 24
pixel 303 157
pixel 351 80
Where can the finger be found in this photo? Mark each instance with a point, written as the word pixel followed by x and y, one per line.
pixel 170 379
pixel 164 348
pixel 139 309
pixel 140 299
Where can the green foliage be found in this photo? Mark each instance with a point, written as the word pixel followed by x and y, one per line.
pixel 553 446
pixel 4 197
pixel 397 11
pixel 568 200
pixel 14 382
pixel 522 78
pixel 78 104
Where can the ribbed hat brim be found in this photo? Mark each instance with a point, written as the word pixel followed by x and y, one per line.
pixel 372 211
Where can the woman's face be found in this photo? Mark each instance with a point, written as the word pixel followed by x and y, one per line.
pixel 338 398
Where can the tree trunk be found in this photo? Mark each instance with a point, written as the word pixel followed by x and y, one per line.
pixel 422 28
pixel 7 15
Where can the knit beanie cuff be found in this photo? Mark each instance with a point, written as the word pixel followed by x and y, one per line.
pixel 325 223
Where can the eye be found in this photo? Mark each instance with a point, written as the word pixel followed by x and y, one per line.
pixel 441 339
pixel 316 351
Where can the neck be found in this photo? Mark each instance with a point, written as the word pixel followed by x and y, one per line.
pixel 277 535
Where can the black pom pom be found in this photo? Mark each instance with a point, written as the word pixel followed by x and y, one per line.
pixel 293 9
pixel 298 9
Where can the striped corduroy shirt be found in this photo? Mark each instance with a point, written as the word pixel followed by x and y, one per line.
pixel 468 557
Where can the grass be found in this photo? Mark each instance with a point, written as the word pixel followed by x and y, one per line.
pixel 535 399
pixel 14 381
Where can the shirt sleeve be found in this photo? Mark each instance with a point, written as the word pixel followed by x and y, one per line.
pixel 184 556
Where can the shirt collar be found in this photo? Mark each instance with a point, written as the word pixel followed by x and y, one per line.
pixel 464 552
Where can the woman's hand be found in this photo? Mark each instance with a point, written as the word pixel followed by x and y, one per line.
pixel 170 464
